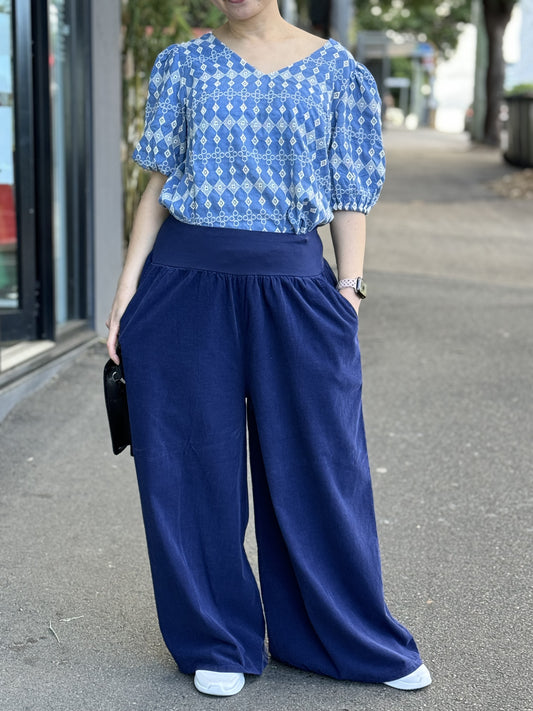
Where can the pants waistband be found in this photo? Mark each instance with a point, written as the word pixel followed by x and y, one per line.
pixel 239 252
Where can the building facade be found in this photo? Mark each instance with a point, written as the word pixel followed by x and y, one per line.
pixel 60 183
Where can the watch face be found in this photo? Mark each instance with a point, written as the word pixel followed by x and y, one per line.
pixel 361 288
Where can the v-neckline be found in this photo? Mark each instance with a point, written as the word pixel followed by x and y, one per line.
pixel 254 70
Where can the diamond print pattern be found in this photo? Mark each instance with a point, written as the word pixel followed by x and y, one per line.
pixel 271 152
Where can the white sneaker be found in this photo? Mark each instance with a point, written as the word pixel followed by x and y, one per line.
pixel 415 680
pixel 218 683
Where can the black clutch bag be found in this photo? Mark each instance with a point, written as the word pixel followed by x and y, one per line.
pixel 116 402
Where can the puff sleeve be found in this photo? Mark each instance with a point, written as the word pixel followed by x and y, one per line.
pixel 163 144
pixel 356 155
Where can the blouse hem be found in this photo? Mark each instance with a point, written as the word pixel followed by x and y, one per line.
pixel 155 168
pixel 350 207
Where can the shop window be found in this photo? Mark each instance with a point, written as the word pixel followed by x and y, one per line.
pixel 69 81
pixel 45 172
pixel 9 286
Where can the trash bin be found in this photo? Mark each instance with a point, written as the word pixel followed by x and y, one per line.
pixel 520 130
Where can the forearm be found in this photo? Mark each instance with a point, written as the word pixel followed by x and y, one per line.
pixel 149 217
pixel 348 234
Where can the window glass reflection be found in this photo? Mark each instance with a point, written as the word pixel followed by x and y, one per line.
pixel 9 287
pixel 59 31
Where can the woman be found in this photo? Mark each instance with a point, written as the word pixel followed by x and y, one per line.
pixel 230 318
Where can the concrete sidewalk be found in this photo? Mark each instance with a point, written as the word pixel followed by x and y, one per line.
pixel 447 336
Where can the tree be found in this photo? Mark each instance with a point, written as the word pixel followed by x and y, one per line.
pixel 439 23
pixel 497 14
pixel 202 13
pixel 319 15
pixel 148 26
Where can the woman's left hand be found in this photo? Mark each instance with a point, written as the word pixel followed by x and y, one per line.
pixel 350 295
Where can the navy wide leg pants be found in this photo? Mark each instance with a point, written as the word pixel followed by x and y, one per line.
pixel 229 329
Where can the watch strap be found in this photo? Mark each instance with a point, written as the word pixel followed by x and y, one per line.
pixel 357 284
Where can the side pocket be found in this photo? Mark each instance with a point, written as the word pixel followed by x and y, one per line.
pixel 346 304
pixel 150 275
pixel 126 316
pixel 329 278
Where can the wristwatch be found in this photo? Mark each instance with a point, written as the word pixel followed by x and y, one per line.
pixel 358 285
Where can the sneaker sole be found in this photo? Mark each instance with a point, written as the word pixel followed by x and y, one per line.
pixel 419 682
pixel 218 690
pixel 407 687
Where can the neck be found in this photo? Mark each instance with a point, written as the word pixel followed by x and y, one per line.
pixel 268 24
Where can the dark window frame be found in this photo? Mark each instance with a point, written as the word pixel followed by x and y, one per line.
pixel 20 323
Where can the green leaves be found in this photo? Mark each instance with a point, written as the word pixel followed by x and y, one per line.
pixel 148 26
pixel 439 23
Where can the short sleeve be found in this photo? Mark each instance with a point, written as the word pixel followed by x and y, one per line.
pixel 356 155
pixel 163 143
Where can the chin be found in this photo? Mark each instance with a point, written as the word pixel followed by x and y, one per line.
pixel 241 8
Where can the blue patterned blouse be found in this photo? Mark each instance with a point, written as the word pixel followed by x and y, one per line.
pixel 273 152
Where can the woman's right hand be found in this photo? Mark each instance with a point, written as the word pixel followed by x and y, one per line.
pixel 149 217
pixel 120 302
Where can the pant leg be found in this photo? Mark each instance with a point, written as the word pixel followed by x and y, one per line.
pixel 318 548
pixel 183 366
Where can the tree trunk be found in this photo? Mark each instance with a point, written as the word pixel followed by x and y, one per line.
pixel 319 15
pixel 497 14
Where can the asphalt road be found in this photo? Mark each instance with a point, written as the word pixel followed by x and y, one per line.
pixel 447 337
